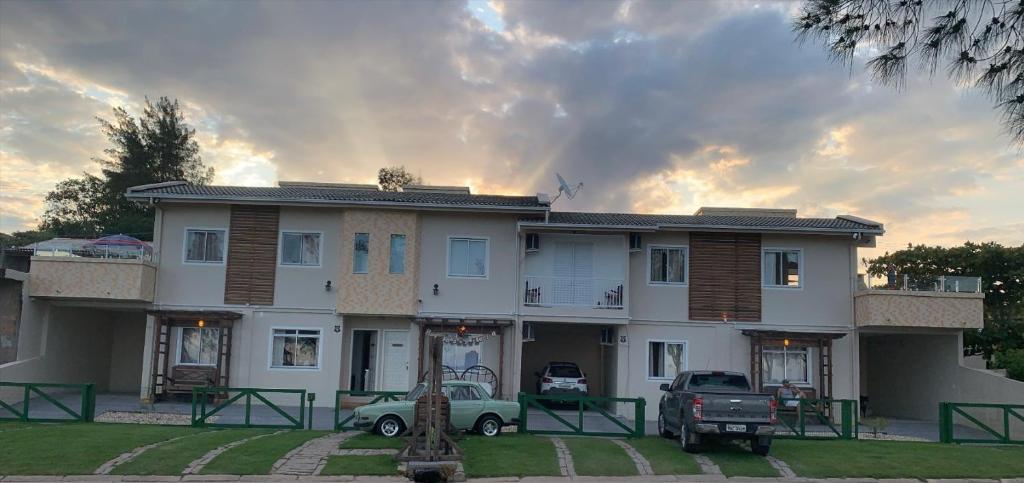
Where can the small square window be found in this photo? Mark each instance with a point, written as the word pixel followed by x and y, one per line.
pixel 668 265
pixel 197 346
pixel 665 359
pixel 467 257
pixel 204 246
pixel 300 249
pixel 295 348
pixel 782 268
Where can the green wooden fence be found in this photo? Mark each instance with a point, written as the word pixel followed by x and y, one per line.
pixel 203 409
pixel 1009 415
pixel 341 424
pixel 818 419
pixel 594 407
pixel 23 411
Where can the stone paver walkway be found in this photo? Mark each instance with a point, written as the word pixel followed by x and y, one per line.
pixel 310 458
pixel 707 466
pixel 565 465
pixel 643 467
pixel 123 458
pixel 781 467
pixel 550 479
pixel 196 466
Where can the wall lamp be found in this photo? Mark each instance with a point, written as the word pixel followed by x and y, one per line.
pixel 327 286
pixel 436 289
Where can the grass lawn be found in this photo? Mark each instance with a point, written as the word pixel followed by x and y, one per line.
pixel 665 456
pixel 172 458
pixel 372 441
pixel 258 456
pixel 892 459
pixel 599 457
pixel 377 465
pixel 736 460
pixel 75 448
pixel 509 455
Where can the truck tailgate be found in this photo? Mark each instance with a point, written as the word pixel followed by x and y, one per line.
pixel 739 408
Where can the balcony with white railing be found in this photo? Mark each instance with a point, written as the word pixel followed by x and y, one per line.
pixel 592 293
pixel 950 302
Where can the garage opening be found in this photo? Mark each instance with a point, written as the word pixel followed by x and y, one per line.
pixel 591 347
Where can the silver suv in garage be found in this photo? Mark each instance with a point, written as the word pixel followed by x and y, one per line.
pixel 561 378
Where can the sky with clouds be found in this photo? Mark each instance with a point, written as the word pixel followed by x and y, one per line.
pixel 657 107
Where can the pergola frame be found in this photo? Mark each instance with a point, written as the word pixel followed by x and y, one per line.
pixel 473 326
pixel 164 323
pixel 822 341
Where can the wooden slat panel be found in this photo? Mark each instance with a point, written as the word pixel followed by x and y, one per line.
pixel 252 255
pixel 725 276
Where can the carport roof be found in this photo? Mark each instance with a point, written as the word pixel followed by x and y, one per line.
pixel 570 219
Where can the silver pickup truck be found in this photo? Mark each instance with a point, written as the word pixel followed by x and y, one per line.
pixel 702 405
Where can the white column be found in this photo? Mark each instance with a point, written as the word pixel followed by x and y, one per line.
pixel 146 389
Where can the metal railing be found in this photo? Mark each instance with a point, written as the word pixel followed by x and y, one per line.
pixel 104 252
pixel 946 283
pixel 201 414
pixel 588 408
pixel 603 293
pixel 1010 431
pixel 818 419
pixel 85 412
pixel 341 424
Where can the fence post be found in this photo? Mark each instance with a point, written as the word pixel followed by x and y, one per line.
pixel 640 421
pixel 337 409
pixel 522 413
pixel 945 423
pixel 847 422
pixel 24 405
pixel 88 403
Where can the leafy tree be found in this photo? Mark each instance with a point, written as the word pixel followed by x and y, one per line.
pixel 1002 273
pixel 158 146
pixel 979 42
pixel 395 177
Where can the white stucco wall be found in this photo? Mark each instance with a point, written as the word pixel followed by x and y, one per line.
pixel 196 285
pixel 826 297
pixel 303 286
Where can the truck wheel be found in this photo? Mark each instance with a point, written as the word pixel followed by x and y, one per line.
pixel 662 427
pixel 689 441
pixel 760 449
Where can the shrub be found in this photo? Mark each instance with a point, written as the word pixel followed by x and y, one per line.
pixel 1013 361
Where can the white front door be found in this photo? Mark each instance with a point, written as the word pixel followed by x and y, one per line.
pixel 396 360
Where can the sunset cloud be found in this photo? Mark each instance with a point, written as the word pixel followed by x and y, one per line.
pixel 655 106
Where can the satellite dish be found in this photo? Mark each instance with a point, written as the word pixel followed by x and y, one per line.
pixel 563 187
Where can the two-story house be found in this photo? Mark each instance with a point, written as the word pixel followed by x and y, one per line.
pixel 329 286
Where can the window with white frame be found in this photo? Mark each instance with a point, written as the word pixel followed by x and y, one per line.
pixel 782 268
pixel 361 253
pixel 467 257
pixel 197 346
pixel 295 348
pixel 298 248
pixel 396 257
pixel 781 362
pixel 204 246
pixel 665 359
pixel 668 265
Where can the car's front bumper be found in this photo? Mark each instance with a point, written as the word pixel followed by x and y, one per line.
pixel 363 424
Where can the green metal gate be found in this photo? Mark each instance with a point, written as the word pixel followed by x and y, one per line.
pixel 1010 431
pixel 201 413
pixel 341 424
pixel 85 413
pixel 818 419
pixel 585 405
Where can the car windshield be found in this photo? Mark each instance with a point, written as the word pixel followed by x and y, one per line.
pixel 564 371
pixel 732 382
pixel 416 392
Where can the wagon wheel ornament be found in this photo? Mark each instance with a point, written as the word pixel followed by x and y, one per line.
pixel 482 374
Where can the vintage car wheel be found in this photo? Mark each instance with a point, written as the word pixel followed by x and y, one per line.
pixel 489 425
pixel 390 426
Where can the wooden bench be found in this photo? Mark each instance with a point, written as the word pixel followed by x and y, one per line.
pixel 184 378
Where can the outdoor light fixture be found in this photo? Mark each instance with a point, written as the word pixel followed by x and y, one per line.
pixel 327 286
pixel 462 330
pixel 201 323
pixel 785 342
pixel 436 289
